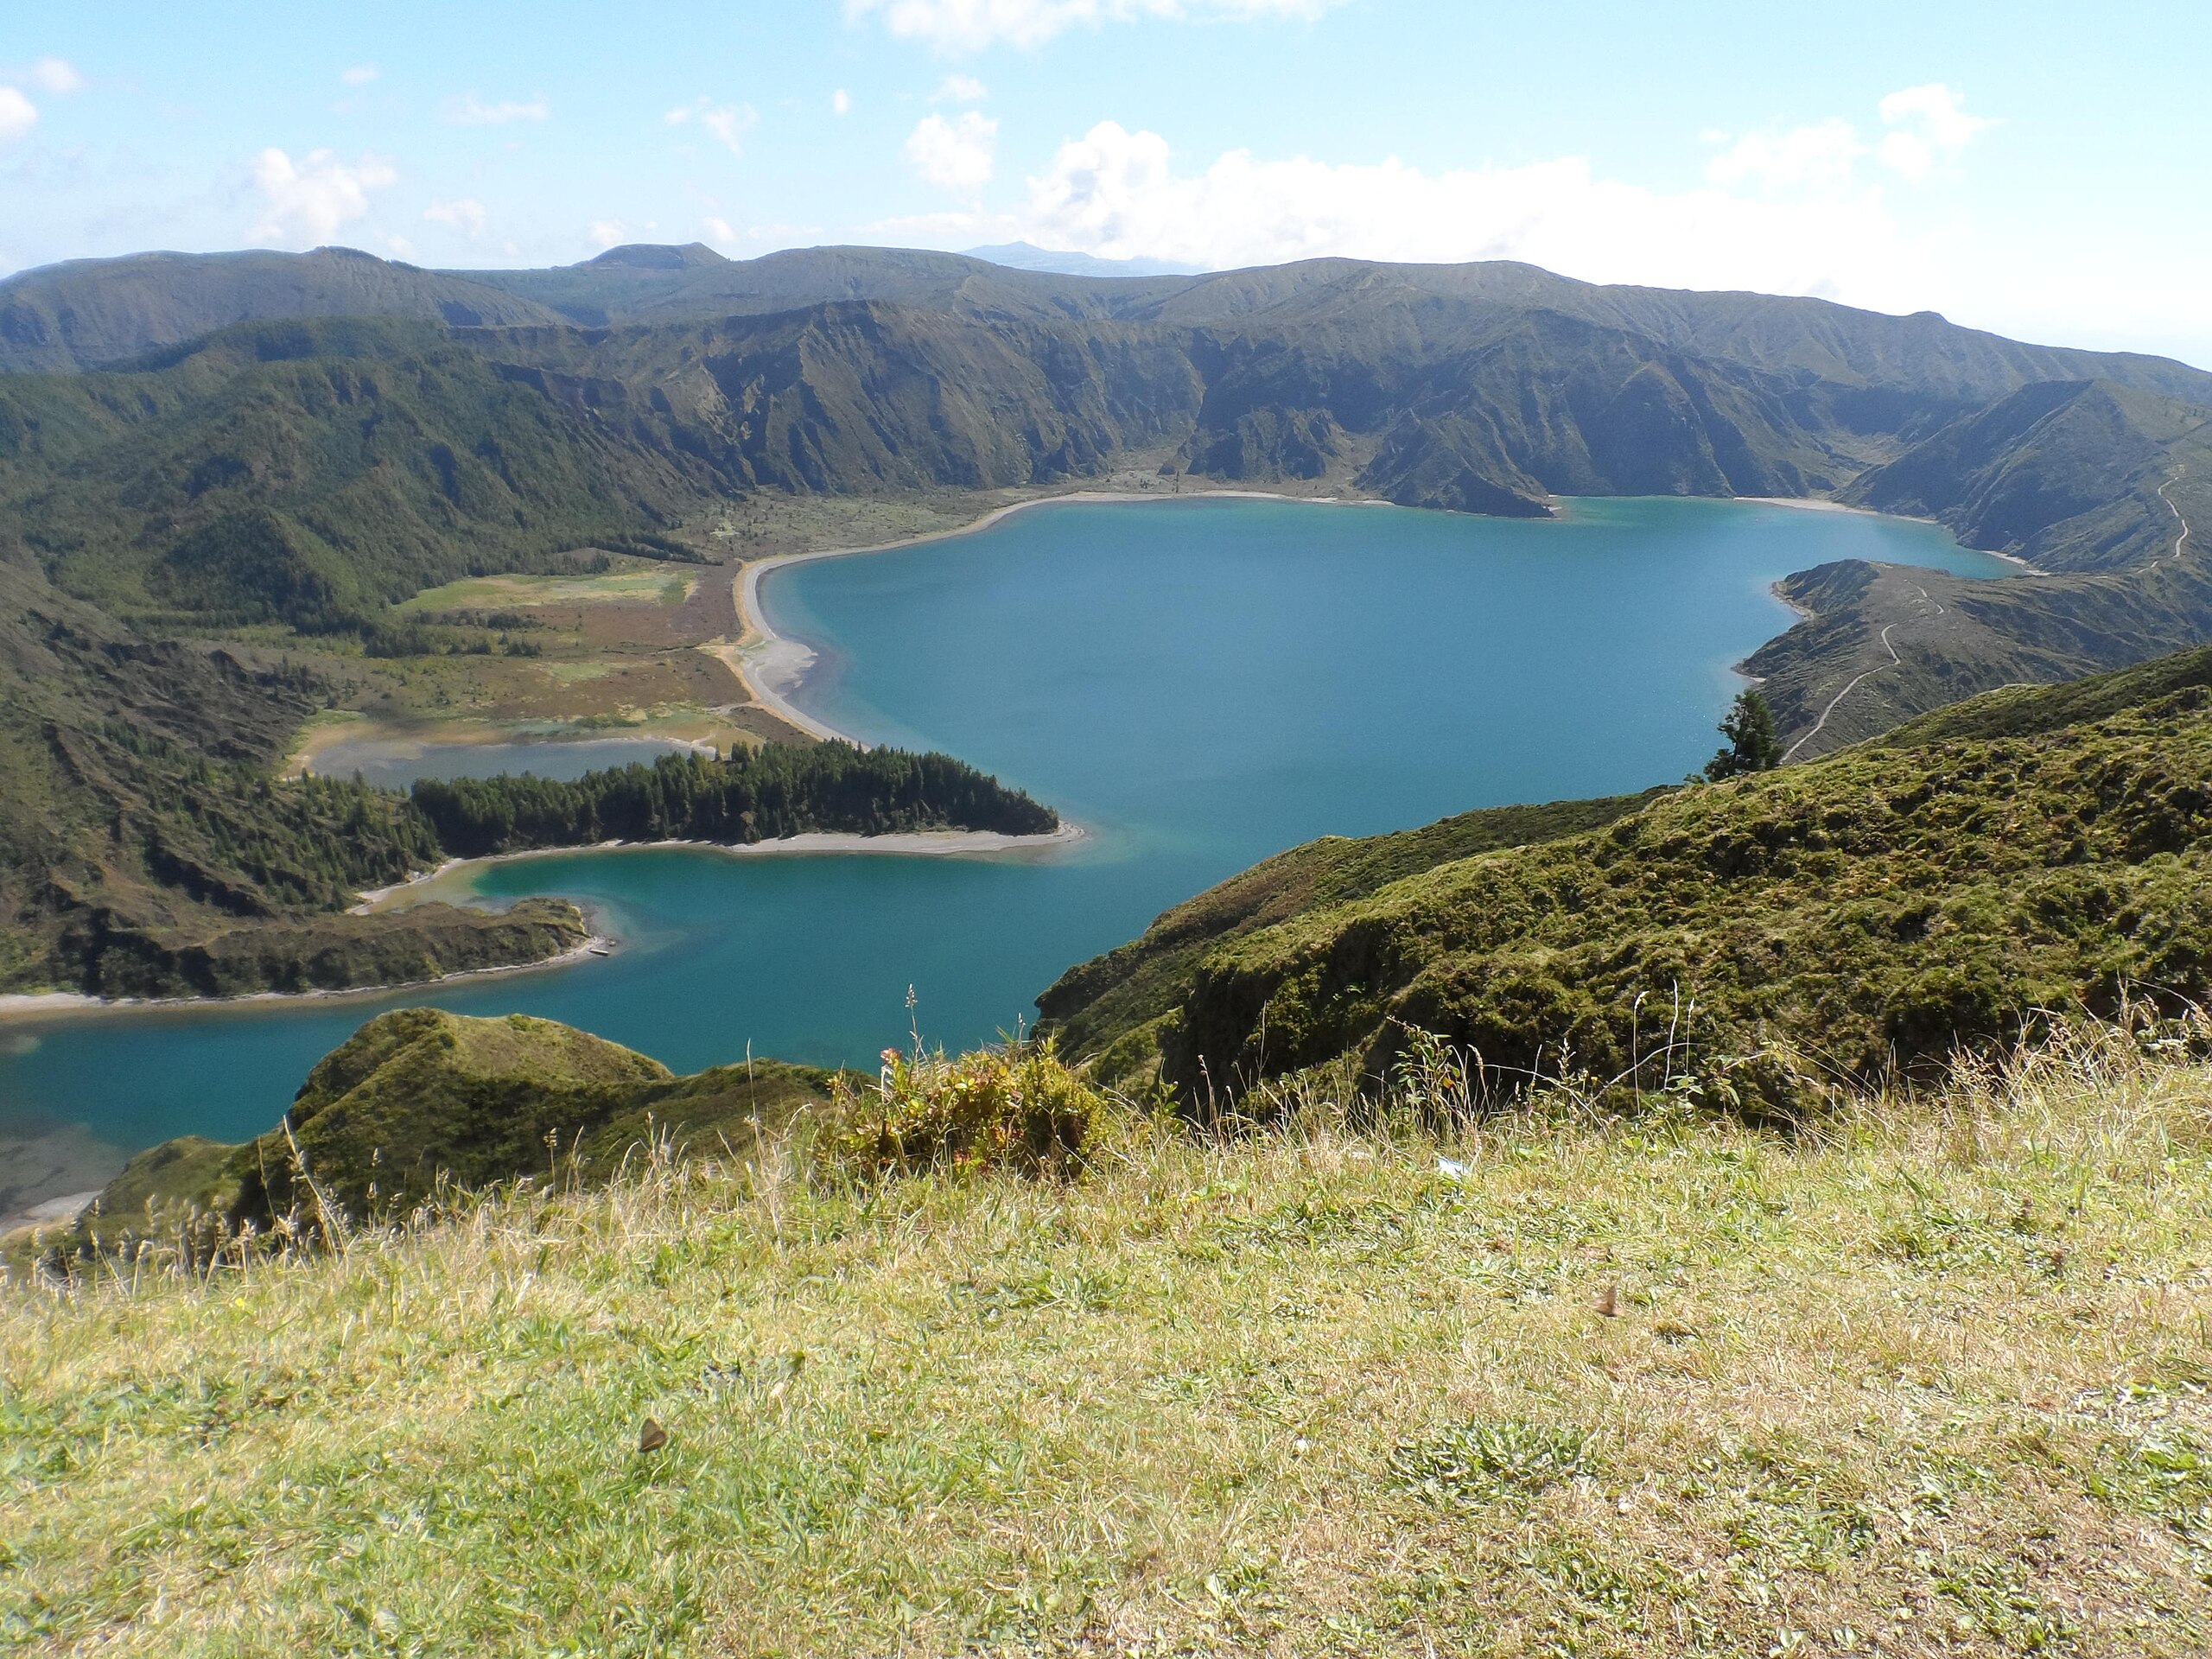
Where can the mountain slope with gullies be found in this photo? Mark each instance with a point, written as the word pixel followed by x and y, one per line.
pixel 148 848
pixel 307 471
pixel 1834 925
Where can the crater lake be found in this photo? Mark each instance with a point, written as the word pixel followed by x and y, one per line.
pixel 1198 682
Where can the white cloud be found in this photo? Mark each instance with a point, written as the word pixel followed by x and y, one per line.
pixel 466 215
pixel 18 115
pixel 307 200
pixel 727 122
pixel 58 76
pixel 841 101
pixel 719 230
pixel 403 247
pixel 1929 126
pixel 956 154
pixel 607 233
pixel 971 25
pixel 1118 194
pixel 360 75
pixel 960 89
pixel 1820 154
pixel 474 112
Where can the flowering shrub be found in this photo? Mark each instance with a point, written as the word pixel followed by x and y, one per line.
pixel 1017 1105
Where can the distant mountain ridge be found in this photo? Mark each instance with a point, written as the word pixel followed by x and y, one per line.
pixel 62 318
pixel 217 463
pixel 1027 256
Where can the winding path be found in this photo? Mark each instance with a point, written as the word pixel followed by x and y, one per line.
pixel 1896 661
pixel 2176 510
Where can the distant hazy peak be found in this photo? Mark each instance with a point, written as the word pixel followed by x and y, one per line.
pixel 659 255
pixel 1027 256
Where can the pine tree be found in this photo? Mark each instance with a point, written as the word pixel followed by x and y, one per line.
pixel 1752 745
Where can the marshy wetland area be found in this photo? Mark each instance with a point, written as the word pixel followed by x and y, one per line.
pixel 618 657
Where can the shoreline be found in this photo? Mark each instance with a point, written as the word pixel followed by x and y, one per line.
pixel 772 663
pixel 1823 504
pixel 921 843
pixel 27 1005
pixel 816 843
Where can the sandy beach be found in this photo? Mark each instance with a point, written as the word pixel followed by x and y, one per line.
pixel 43 1004
pixel 920 843
pixel 1815 504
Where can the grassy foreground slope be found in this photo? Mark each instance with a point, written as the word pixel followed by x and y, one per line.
pixel 1876 909
pixel 1934 1383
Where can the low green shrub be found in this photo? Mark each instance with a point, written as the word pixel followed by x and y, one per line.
pixel 1017 1105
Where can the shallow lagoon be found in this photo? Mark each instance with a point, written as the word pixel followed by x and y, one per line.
pixel 1201 682
pixel 396 762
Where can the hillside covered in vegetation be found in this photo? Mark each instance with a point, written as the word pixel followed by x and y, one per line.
pixel 507 1339
pixel 220 476
pixel 2012 861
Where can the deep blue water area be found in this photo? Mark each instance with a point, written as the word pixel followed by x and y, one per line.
pixel 1200 682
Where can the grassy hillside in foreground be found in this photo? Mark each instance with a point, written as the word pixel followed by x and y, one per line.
pixel 1822 924
pixel 1934 1383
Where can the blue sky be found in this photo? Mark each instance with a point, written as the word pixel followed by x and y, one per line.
pixel 2037 169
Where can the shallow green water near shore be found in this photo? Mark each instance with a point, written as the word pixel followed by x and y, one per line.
pixel 1201 682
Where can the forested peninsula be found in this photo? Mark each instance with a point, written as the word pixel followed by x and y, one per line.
pixel 244 883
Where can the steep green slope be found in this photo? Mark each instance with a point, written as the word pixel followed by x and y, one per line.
pixel 1875 910
pixel 2065 474
pixel 1109 1006
pixel 310 472
pixel 2102 485
pixel 144 848
pixel 852 397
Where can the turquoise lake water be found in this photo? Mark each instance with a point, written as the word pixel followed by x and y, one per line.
pixel 1200 683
